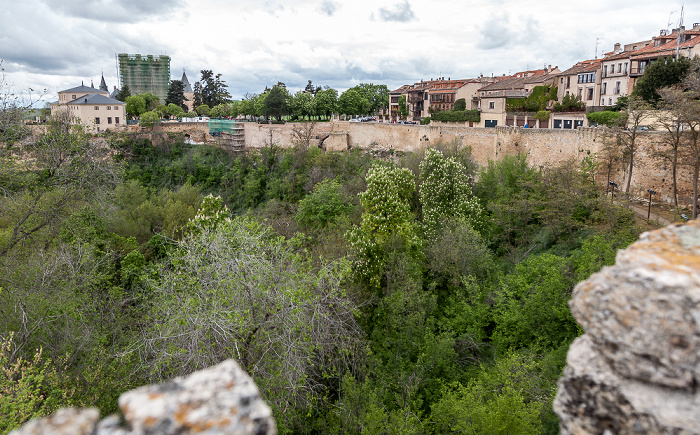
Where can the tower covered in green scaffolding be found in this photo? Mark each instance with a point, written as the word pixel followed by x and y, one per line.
pixel 145 73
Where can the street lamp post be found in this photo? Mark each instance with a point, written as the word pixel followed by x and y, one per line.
pixel 651 192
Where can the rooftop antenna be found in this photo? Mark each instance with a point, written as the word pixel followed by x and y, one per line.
pixel 680 33
pixel 668 26
pixel 597 41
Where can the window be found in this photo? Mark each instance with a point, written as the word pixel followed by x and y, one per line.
pixel 619 67
pixel 568 124
pixel 625 68
pixel 610 101
pixel 97 107
pixel 589 94
pixel 109 120
pixel 605 71
pixel 568 82
pixel 557 123
pixel 109 107
pixel 72 97
pixel 602 101
pixel 116 108
pixel 617 87
pixel 492 104
pixel 490 123
pixel 578 124
pixel 561 80
pixel 605 89
pixel 97 120
pixel 116 120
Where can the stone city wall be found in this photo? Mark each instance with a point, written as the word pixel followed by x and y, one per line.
pixel 544 147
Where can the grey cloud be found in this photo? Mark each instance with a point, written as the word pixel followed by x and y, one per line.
pixel 495 33
pixel 121 11
pixel 401 12
pixel 330 7
pixel 501 31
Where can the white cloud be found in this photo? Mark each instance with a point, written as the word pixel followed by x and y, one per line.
pixel 255 43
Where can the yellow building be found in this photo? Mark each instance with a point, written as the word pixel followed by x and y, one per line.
pixel 93 108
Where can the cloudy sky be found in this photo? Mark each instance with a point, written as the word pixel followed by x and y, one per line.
pixel 57 44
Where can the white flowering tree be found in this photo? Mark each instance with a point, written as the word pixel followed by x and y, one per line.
pixel 445 193
pixel 387 215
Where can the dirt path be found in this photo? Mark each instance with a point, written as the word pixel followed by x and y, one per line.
pixel 644 211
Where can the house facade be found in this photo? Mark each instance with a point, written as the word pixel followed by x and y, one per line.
pixel 90 107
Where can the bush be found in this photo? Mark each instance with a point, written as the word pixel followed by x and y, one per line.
pixel 570 103
pixel 425 121
pixel 542 115
pixel 457 116
pixel 607 117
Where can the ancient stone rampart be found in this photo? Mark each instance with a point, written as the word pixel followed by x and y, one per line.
pixel 219 400
pixel 637 367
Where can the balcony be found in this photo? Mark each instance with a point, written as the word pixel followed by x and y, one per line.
pixel 636 72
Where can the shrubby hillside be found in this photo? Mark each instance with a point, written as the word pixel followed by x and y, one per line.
pixel 417 294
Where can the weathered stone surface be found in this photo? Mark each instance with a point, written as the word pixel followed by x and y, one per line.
pixel 637 368
pixel 66 421
pixel 219 400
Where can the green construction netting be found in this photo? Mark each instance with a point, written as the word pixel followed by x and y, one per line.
pixel 222 125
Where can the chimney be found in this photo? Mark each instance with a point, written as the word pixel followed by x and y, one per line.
pixel 617 48
pixel 696 26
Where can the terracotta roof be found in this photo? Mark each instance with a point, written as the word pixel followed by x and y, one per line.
pixel 651 52
pixel 506 94
pixel 505 84
pixel 582 67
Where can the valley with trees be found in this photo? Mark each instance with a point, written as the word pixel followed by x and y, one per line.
pixel 363 295
pixel 411 293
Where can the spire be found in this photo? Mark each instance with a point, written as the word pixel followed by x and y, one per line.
pixel 92 85
pixel 103 84
pixel 185 83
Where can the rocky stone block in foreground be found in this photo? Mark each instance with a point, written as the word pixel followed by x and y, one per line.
pixel 219 400
pixel 637 367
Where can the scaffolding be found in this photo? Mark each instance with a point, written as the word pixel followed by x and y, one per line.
pixel 230 135
pixel 145 74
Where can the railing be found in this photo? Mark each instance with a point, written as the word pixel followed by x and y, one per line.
pixel 637 71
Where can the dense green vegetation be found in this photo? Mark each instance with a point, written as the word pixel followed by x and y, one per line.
pixel 363 295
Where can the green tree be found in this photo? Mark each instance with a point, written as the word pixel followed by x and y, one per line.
pixel 460 104
pixel 403 107
pixel 663 72
pixel 149 119
pixel 12 110
pixel 507 399
pixel 326 102
pixel 219 111
pixel 214 89
pixel 351 102
pixel 531 307
pixel 203 110
pixel 570 103
pixel 323 205
pixel 236 290
pixel 123 93
pixel 135 105
pixel 176 94
pixel 67 171
pixel 276 102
